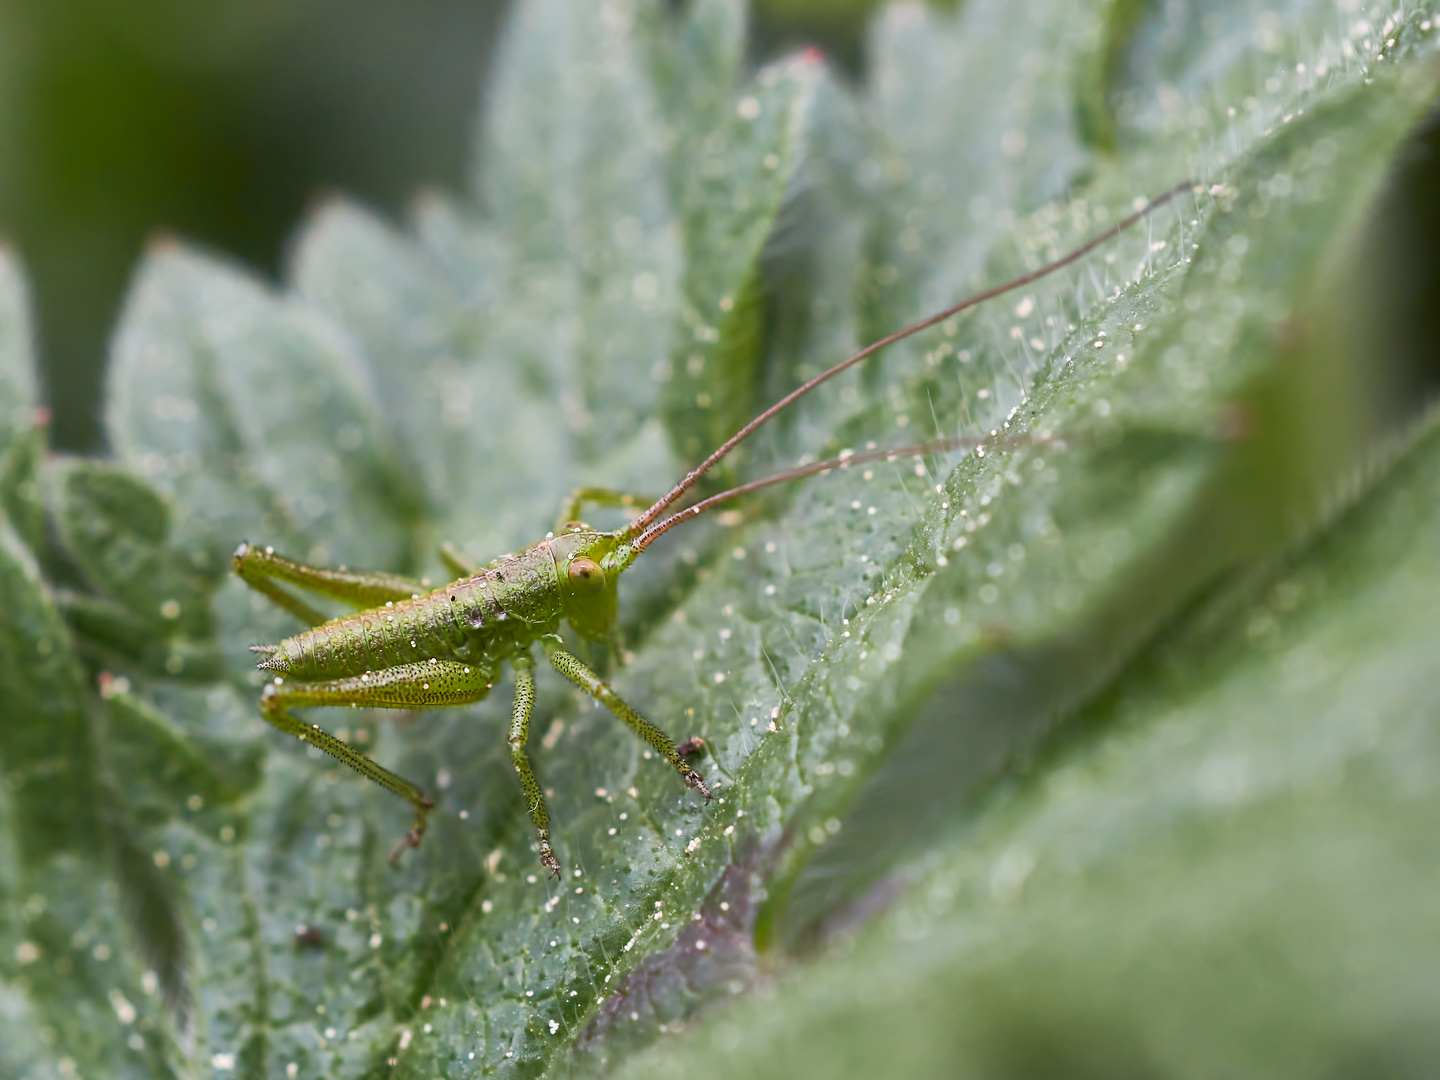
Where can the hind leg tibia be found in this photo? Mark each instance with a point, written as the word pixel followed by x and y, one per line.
pixel 409 686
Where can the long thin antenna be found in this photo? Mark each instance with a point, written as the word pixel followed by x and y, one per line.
pixel 934 446
pixel 641 525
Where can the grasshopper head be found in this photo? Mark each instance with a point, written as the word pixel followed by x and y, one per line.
pixel 589 563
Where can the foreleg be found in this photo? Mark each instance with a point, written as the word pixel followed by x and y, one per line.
pixel 587 680
pixel 432 684
pixel 262 570
pixel 519 735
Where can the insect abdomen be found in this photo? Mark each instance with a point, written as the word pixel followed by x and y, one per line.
pixel 513 601
pixel 383 637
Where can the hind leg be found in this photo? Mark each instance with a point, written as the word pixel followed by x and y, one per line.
pixel 519 735
pixel 425 685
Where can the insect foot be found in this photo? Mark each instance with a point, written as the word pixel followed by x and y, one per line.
pixel 413 837
pixel 549 861
pixel 695 780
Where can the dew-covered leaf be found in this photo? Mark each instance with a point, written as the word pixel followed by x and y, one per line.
pixel 571 169
pixel 90 1004
pixel 869 657
pixel 442 361
pixel 733 184
pixel 46 750
pixel 60 924
pixel 1066 560
pixel 1227 872
pixel 117 530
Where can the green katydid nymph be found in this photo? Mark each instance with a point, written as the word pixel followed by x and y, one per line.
pixel 408 646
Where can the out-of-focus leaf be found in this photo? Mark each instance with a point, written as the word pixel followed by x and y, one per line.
pixel 1095 81
pixel 18 397
pixel 1258 60
pixel 975 107
pixel 417 335
pixel 167 772
pixel 571 170
pixel 154 606
pixel 45 742
pixel 61 928
pixel 251 412
pixel 22 424
pixel 452 393
pixel 731 193
pixel 153 907
pixel 92 1008
pixel 695 53
pixel 21 495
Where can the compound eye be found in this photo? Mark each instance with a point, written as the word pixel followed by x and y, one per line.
pixel 586 575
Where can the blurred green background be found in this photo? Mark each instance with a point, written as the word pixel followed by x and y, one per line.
pixel 221 120
pixel 218 120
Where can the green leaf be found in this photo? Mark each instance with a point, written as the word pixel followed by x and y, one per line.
pixel 21 495
pixel 215 386
pixel 418 336
pixel 60 927
pixel 570 169
pixel 1096 80
pixel 975 109
pixel 18 396
pixel 168 772
pixel 117 530
pixel 737 176
pixel 91 1000
pixel 45 743
pixel 22 424
pixel 437 355
pixel 893 666
pixel 695 53
pixel 1226 871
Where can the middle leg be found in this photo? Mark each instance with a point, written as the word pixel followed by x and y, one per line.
pixel 519 735
pixel 595 496
pixel 587 680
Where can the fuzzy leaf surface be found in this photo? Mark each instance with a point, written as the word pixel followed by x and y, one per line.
pixel 872 657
